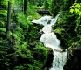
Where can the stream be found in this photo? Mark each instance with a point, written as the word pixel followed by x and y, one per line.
pixel 49 39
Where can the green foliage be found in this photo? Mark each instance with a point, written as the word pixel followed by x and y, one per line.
pixel 3 15
pixel 20 67
pixel 23 17
pixel 23 51
pixel 18 34
pixel 3 12
pixel 40 48
pixel 32 12
pixel 37 65
pixel 46 4
pixel 18 3
pixel 4 2
pixel 2 24
pixel 60 5
pixel 54 5
pixel 36 2
pixel 76 8
pixel 59 30
pixel 2 30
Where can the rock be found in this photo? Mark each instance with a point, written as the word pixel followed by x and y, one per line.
pixel 74 60
pixel 43 12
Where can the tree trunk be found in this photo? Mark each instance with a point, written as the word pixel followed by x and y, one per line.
pixel 25 6
pixel 8 24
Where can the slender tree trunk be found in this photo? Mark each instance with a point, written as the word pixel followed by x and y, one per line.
pixel 8 24
pixel 25 6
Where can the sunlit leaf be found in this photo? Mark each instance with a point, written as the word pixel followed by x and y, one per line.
pixel 71 10
pixel 76 10
pixel 80 13
pixel 77 5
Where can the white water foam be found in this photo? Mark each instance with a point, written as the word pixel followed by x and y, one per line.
pixel 59 61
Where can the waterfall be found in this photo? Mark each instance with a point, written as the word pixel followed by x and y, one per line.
pixel 59 60
pixel 50 40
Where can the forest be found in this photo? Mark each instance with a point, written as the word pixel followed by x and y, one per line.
pixel 20 46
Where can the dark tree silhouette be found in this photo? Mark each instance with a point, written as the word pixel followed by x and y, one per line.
pixel 8 24
pixel 25 6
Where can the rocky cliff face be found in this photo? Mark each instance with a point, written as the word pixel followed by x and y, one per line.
pixel 74 60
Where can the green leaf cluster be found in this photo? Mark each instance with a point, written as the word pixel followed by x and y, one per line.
pixel 76 8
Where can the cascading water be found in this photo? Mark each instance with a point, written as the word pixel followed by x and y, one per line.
pixel 50 40
pixel 59 60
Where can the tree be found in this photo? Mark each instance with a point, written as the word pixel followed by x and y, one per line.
pixel 8 23
pixel 25 6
